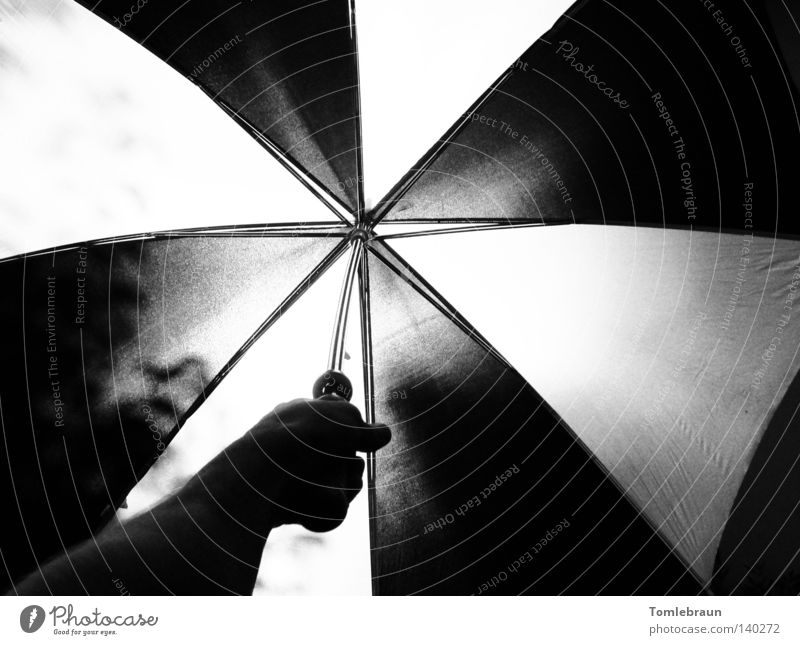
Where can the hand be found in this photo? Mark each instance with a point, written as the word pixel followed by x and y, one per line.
pixel 297 465
pixel 307 450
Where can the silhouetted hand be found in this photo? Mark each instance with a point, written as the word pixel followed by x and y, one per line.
pixel 304 454
pixel 297 465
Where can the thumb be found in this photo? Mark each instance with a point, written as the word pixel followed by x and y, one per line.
pixel 369 438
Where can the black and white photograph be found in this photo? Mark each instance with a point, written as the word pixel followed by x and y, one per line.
pixel 314 301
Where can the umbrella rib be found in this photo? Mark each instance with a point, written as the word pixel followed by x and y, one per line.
pixel 360 204
pixel 336 355
pixel 273 317
pixel 287 230
pixel 366 337
pixel 369 412
pixel 480 225
pixel 294 229
pixel 331 201
pixel 396 194
pixel 389 256
pixel 483 226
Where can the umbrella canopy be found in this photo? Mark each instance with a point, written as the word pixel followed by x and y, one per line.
pixel 620 194
pixel 665 341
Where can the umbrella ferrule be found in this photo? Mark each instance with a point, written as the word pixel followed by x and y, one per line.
pixel 361 233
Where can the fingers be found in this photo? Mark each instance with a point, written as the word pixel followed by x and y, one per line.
pixel 337 410
pixel 327 409
pixel 321 505
pixel 350 432
pixel 313 444
pixel 333 507
pixel 368 438
pixel 354 481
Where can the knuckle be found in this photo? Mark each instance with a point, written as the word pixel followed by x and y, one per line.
pixel 339 412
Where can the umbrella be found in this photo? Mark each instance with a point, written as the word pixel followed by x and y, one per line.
pixel 619 194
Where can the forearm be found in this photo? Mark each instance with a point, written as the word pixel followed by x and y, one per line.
pixel 205 539
pixel 297 465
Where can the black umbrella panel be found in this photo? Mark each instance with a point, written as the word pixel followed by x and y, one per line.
pixel 665 340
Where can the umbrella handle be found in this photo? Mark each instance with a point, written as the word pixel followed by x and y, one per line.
pixel 333 382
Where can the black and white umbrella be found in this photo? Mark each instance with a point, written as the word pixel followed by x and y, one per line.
pixel 577 309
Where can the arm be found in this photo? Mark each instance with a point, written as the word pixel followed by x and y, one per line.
pixel 297 465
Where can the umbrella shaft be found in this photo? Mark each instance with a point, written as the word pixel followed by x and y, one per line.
pixel 336 355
